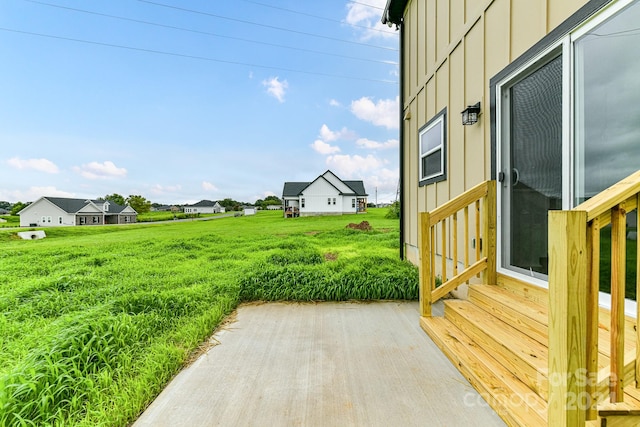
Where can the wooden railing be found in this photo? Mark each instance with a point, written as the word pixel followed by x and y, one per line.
pixel 574 278
pixel 438 231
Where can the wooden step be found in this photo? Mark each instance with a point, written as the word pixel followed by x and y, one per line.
pixel 531 317
pixel 512 400
pixel 528 317
pixel 625 414
pixel 522 355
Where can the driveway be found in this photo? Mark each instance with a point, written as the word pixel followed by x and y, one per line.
pixel 325 364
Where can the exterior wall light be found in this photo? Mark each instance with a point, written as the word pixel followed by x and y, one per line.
pixel 470 114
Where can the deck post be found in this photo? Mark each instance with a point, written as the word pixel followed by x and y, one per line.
pixel 489 230
pixel 424 236
pixel 568 401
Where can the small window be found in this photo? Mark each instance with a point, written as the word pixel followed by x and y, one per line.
pixel 95 219
pixel 59 220
pixel 328 200
pixel 334 200
pixel 83 220
pixel 432 137
pixel 302 202
pixel 353 203
pixel 49 219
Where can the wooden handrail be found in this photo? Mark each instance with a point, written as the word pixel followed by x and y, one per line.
pixel 481 199
pixel 458 203
pixel 618 193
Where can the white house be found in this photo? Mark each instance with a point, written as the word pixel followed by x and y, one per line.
pixel 204 206
pixel 326 195
pixel 61 211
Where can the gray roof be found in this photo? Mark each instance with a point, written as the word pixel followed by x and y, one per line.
pixel 74 205
pixel 293 189
pixel 203 204
pixel 357 187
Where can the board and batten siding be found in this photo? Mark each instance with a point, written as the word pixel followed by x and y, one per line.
pixel 452 48
pixel 316 195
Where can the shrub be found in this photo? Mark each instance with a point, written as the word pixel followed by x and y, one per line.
pixel 394 211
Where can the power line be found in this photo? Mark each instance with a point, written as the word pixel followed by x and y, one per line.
pixel 202 58
pixel 364 4
pixel 322 17
pixel 273 27
pixel 139 21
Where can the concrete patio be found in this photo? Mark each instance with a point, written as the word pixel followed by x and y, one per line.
pixel 325 364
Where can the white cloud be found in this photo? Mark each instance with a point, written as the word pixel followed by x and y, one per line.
pixel 327 134
pixel 276 88
pixel 334 103
pixel 33 193
pixel 42 165
pixel 348 166
pixel 373 145
pixel 96 170
pixel 383 181
pixel 324 148
pixel 207 186
pixel 369 16
pixel 382 113
pixel 169 189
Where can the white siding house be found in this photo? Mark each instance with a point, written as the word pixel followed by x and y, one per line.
pixel 204 206
pixel 60 211
pixel 326 195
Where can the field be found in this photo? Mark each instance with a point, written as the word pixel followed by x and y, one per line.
pixel 96 320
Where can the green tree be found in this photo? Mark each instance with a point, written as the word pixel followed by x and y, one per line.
pixel 230 204
pixel 115 198
pixel 139 203
pixel 18 207
pixel 269 200
pixel 5 205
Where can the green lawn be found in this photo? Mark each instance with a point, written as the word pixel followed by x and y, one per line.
pixel 605 263
pixel 96 320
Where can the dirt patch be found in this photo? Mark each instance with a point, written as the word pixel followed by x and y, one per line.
pixel 330 257
pixel 312 233
pixel 364 225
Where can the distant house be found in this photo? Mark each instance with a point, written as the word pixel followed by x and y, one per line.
pixel 166 208
pixel 326 195
pixel 249 210
pixel 204 206
pixel 274 207
pixel 4 211
pixel 61 211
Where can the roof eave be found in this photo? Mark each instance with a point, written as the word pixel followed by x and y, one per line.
pixel 393 12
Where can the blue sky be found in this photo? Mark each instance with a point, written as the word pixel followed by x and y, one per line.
pixel 184 100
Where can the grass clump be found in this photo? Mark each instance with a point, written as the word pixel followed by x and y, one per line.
pixel 359 279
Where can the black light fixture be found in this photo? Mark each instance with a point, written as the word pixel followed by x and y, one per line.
pixel 470 114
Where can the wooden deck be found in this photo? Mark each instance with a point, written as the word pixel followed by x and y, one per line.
pixel 498 340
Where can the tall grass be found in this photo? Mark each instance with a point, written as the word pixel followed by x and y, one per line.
pixel 94 321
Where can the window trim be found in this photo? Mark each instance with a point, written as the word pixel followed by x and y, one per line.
pixel 441 117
